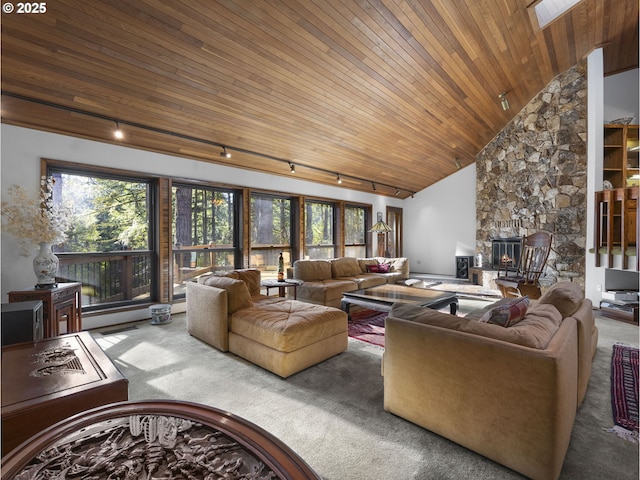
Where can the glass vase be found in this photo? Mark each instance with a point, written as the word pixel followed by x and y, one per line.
pixel 45 266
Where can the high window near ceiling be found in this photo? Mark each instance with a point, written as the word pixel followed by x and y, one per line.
pixel 272 218
pixel 355 231
pixel 205 232
pixel 109 248
pixel 320 229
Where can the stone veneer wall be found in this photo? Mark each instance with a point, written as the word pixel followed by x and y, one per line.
pixel 533 176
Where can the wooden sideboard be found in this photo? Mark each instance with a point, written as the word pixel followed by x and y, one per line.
pixel 49 380
pixel 61 304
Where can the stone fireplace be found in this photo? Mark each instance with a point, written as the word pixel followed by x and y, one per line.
pixel 533 176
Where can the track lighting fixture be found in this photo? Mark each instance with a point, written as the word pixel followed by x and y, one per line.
pixel 457 163
pixel 224 152
pixel 373 186
pixel 338 179
pixel 117 132
pixel 503 101
pixel 292 168
pixel 397 191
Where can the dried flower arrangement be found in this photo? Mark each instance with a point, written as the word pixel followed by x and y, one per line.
pixel 35 218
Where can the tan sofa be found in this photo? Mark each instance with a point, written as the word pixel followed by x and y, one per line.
pixel 326 280
pixel 509 394
pixel 282 336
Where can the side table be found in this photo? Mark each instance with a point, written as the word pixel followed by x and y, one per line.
pixel 282 286
pixel 61 303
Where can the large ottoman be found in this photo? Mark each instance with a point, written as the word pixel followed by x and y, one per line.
pixel 289 336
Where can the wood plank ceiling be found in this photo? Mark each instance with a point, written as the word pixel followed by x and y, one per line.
pixel 395 92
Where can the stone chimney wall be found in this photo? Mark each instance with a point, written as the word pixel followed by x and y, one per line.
pixel 533 176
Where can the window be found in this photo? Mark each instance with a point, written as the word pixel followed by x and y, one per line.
pixel 271 232
pixel 320 229
pixel 355 231
pixel 109 245
pixel 544 12
pixel 204 232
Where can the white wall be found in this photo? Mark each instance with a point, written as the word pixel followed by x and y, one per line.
pixel 22 149
pixel 440 223
pixel 621 96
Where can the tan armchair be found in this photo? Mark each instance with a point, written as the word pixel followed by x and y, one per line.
pixel 533 259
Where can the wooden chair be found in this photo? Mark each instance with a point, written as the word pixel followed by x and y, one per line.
pixel 533 258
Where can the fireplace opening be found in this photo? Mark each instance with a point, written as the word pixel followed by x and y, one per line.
pixel 505 253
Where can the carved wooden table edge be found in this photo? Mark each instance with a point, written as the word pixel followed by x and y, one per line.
pixel 275 454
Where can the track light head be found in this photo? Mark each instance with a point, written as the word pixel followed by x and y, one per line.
pixel 292 168
pixel 503 101
pixel 224 153
pixel 117 133
pixel 397 191
pixel 456 162
pixel 373 186
pixel 338 179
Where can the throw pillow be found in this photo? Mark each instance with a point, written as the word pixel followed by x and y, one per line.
pixel 345 267
pixel 378 268
pixel 250 276
pixel 238 296
pixel 508 313
pixel 565 296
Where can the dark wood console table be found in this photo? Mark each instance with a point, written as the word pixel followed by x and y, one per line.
pixel 61 303
pixel 49 380
pixel 155 439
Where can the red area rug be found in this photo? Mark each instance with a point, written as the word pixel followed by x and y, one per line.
pixel 368 326
pixel 624 390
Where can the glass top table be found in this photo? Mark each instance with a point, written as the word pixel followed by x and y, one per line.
pixel 382 298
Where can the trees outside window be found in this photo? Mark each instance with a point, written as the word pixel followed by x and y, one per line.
pixel 355 231
pixel 204 232
pixel 320 231
pixel 109 245
pixel 271 221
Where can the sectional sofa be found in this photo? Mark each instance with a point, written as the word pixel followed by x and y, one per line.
pixel 324 281
pixel 509 393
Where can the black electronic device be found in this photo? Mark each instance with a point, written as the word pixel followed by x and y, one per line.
pixel 22 322
pixel 463 264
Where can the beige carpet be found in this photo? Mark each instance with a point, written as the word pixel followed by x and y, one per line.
pixel 332 416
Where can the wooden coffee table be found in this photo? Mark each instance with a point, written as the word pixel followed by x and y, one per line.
pixel 382 298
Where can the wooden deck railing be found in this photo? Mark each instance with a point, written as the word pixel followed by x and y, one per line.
pixel 108 277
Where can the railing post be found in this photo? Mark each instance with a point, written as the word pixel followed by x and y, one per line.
pixel 127 277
